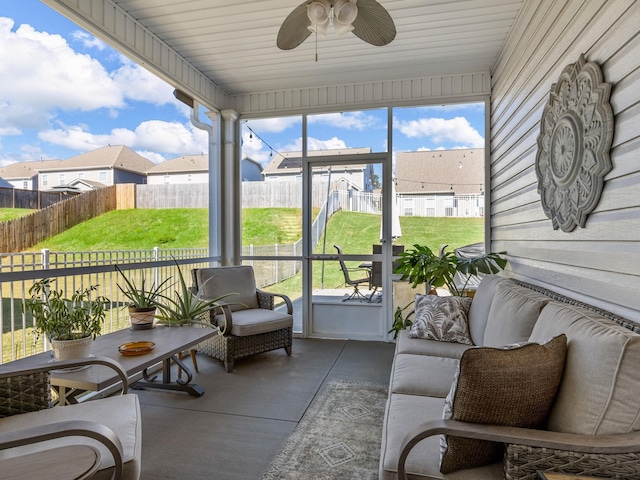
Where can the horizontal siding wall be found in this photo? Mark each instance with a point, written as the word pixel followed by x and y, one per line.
pixel 448 88
pixel 598 263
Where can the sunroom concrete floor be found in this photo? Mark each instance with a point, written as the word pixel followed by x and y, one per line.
pixel 239 425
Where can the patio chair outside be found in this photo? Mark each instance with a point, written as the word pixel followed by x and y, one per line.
pixel 354 283
pixel 248 321
pixel 33 435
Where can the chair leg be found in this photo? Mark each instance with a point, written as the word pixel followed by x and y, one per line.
pixel 228 365
pixel 355 294
pixel 288 350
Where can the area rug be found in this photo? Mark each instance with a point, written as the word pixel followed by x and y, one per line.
pixel 337 438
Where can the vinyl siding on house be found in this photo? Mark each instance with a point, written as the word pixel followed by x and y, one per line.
pixel 600 262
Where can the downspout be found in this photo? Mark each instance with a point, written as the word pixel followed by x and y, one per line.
pixel 215 197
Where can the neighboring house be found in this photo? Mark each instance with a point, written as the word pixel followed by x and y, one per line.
pixel 195 169
pixel 105 166
pixel 440 172
pixel 251 171
pixel 5 184
pixel 24 175
pixel 288 166
pixel 84 185
pixel 181 170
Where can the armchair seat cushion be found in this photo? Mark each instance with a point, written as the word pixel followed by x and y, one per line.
pixel 121 414
pixel 256 321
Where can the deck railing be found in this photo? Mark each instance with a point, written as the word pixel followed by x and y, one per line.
pixel 70 271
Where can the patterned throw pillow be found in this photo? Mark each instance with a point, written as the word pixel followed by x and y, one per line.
pixel 511 386
pixel 441 318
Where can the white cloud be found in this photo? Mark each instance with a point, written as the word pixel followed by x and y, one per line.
pixel 88 40
pixel 154 136
pixel 440 130
pixel 153 156
pixel 348 120
pixel 41 71
pixel 273 125
pixel 137 83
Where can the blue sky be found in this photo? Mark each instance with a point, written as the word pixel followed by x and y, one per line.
pixel 64 93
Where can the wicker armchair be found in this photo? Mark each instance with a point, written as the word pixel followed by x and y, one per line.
pixel 248 321
pixel 37 441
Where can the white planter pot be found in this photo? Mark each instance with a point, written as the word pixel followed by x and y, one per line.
pixel 142 318
pixel 70 349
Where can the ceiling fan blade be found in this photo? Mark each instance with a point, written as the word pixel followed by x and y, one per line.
pixel 373 24
pixel 294 29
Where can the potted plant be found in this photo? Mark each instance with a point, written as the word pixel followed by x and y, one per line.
pixel 142 301
pixel 186 306
pixel 420 265
pixel 70 324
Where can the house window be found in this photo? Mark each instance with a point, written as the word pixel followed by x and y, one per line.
pixel 103 176
pixel 189 178
pixel 61 179
pixel 25 185
pixel 166 179
pixel 45 179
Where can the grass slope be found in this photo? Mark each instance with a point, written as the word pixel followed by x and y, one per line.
pixel 188 228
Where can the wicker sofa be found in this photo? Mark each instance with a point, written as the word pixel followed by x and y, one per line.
pixel 593 423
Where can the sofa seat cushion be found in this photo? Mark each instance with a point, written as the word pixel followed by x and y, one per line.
pixel 423 375
pixel 421 346
pixel 441 318
pixel 256 321
pixel 404 413
pixel 481 304
pixel 121 414
pixel 514 311
pixel 513 386
pixel 599 390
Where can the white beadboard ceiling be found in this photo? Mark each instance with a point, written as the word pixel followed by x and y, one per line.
pixel 233 42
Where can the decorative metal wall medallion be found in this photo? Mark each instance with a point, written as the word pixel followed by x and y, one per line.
pixel 576 131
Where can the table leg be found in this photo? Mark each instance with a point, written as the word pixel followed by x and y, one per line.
pixel 67 395
pixel 179 385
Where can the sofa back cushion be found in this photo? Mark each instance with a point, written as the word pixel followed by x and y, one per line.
pixel 513 313
pixel 601 382
pixel 220 281
pixel 479 309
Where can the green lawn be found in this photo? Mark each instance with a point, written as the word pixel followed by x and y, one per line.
pixel 11 213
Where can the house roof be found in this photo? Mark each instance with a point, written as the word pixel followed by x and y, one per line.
pixel 186 163
pixel 111 156
pixel 291 162
pixel 25 170
pixel 88 183
pixel 5 184
pixel 441 171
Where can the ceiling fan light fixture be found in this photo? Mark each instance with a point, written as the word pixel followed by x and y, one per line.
pixel 344 13
pixel 319 13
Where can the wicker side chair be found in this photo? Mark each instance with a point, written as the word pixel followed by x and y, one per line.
pixel 248 322
pixel 37 441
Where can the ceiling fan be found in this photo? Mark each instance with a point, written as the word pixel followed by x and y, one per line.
pixel 366 19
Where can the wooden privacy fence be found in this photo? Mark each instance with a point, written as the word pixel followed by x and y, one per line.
pixel 33 199
pixel 24 232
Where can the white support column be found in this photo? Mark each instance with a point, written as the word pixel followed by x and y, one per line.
pixel 215 191
pixel 230 190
